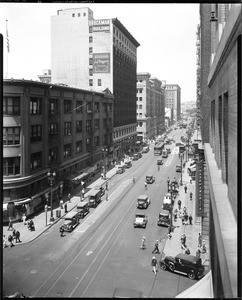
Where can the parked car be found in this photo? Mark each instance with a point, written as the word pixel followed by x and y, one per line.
pixel 140 220
pixel 94 197
pixel 183 263
pixel 71 220
pixel 168 150
pixel 178 169
pixel 146 149
pixel 159 162
pixel 164 218
pixel 120 170
pixel 167 202
pixel 83 209
pixel 143 201
pixel 128 164
pixel 150 178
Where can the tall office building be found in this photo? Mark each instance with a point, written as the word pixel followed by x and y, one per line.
pixel 96 55
pixel 173 100
pixel 150 106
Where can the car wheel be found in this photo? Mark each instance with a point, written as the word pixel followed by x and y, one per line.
pixel 199 274
pixel 191 275
pixel 171 266
pixel 163 266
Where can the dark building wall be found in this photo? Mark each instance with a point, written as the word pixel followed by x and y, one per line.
pixel 205 10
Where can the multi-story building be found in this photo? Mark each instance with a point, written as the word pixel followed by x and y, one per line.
pixel 150 106
pixel 173 100
pixel 96 54
pixel 46 76
pixel 219 99
pixel 50 127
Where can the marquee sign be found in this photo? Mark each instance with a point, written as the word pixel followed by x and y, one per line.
pixel 200 189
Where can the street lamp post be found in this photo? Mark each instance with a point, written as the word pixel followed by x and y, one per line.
pixel 46 209
pixel 182 154
pixel 51 178
pixel 172 202
pixel 104 151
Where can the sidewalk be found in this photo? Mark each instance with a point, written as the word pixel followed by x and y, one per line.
pixel 42 223
pixel 173 246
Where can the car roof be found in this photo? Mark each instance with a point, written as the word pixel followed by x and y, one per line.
pixel 191 258
pixel 82 204
pixel 142 197
pixel 164 212
pixel 71 214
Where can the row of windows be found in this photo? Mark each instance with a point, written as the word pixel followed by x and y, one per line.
pixel 11 105
pixel 139 98
pixel 123 38
pixel 139 91
pixel 99 81
pixel 78 15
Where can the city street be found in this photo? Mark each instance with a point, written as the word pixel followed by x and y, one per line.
pixel 103 252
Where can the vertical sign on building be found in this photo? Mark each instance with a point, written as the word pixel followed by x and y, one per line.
pixel 200 188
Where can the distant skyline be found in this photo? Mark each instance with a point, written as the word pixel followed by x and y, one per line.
pixel 166 33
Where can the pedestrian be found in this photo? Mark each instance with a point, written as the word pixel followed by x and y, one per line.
pixel 61 230
pixel 65 205
pixel 106 185
pixel 185 188
pixel 179 204
pixel 4 241
pixel 154 264
pixel 106 196
pixel 204 249
pixel 145 185
pixel 17 237
pixel 69 197
pixel 199 240
pixel 156 249
pixel 143 241
pixel 158 167
pixel 24 219
pixel 186 219
pixel 61 204
pixel 10 239
pixel 10 225
pixel 190 219
pixel 83 193
pixel 190 195
pixel 187 251
pixel 133 180
pixel 198 252
pixel 184 210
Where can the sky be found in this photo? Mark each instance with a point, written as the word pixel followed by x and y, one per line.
pixel 166 34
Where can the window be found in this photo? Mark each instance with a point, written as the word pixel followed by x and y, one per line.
pixel 140 106
pixel 140 98
pixel 36 133
pixel 79 14
pixel 90 39
pixel 96 141
pixel 53 106
pixel 90 72
pixel 53 129
pixel 11 166
pixel 35 106
pixel 79 126
pixel 99 82
pixel 67 107
pixel 11 105
pixel 79 107
pixel 88 125
pixel 90 82
pixel 90 29
pixel 35 161
pixel 90 61
pixel 90 50
pixel 11 135
pixel 96 124
pixel 67 151
pixel 84 14
pixel 96 107
pixel 89 107
pixel 73 15
pixel 53 154
pixel 79 147
pixel 67 128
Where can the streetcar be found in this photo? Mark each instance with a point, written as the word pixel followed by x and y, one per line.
pixel 158 148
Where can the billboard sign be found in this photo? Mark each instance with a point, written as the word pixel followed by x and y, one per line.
pixel 101 62
pixel 101 25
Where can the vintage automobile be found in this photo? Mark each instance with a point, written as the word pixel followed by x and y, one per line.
pixel 143 201
pixel 168 150
pixel 178 168
pixel 150 178
pixel 83 209
pixel 164 218
pixel 159 162
pixel 183 263
pixel 140 220
pixel 120 169
pixel 128 164
pixel 71 220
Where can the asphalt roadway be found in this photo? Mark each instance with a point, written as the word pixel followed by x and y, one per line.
pixel 103 252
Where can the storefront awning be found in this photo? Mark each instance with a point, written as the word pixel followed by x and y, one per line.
pixel 202 289
pixel 22 201
pixel 79 177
